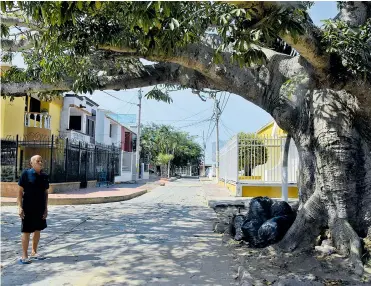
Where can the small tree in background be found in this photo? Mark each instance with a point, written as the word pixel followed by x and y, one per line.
pixel 251 152
pixel 163 160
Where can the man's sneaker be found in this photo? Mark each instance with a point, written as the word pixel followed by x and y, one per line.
pixel 37 256
pixel 25 261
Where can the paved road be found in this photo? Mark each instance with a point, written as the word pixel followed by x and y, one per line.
pixel 161 238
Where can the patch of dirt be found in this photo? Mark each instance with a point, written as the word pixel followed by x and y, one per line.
pixel 268 267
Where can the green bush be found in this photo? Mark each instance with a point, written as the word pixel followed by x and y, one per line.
pixel 7 174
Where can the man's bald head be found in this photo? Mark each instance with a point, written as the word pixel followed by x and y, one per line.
pixel 36 163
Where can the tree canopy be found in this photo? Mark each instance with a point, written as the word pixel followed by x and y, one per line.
pixel 157 140
pixel 89 45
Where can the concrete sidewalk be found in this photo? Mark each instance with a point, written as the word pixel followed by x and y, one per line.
pixel 115 193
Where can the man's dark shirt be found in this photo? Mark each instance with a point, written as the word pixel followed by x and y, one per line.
pixel 34 185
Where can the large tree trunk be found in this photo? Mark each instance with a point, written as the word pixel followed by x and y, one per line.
pixel 335 176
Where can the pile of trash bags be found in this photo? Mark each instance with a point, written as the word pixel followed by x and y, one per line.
pixel 266 222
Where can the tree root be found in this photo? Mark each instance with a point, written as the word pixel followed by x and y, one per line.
pixel 305 229
pixel 307 226
pixel 347 242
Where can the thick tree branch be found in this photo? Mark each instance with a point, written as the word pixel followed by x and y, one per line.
pixel 355 13
pixel 163 73
pixel 260 85
pixel 309 47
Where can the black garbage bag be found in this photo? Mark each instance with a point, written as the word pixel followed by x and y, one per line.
pixel 260 208
pixel 250 229
pixel 237 223
pixel 281 208
pixel 274 229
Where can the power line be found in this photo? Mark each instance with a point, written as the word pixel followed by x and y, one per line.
pixel 207 139
pixel 226 103
pixel 193 115
pixel 119 98
pixel 226 128
pixel 223 99
pixel 193 124
pixel 208 129
pixel 131 105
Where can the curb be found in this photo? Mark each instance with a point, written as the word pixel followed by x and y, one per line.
pixel 85 201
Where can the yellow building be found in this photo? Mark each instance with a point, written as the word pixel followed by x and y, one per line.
pixel 268 176
pixel 34 121
pixel 266 179
pixel 29 116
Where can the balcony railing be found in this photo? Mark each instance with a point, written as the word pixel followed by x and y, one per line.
pixel 41 120
pixel 76 135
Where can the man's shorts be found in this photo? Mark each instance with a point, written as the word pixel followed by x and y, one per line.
pixel 32 223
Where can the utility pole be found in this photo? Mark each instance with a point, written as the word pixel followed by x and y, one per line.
pixel 138 135
pixel 204 145
pixel 217 115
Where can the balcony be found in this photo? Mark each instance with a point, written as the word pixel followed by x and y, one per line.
pixel 37 125
pixel 35 119
pixel 77 136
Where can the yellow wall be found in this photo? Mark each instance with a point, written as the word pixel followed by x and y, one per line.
pixel 12 117
pixel 269 191
pixel 55 110
pixel 2 118
pixel 266 130
pixel 230 187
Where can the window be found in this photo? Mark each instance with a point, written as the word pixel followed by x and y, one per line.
pixel 134 143
pixel 26 104
pixel 35 106
pixel 87 127
pixel 75 122
pixel 127 146
pixel 90 127
pixel 110 130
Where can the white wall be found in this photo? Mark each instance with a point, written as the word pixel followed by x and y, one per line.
pixel 126 174
pixel 124 177
pixel 99 128
pixel 102 130
pixel 67 111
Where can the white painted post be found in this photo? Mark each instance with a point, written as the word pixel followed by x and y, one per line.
pixel 138 134
pixel 285 188
pixel 131 164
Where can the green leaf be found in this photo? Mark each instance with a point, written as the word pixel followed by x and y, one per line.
pixel 3 6
pixel 98 4
pixel 80 5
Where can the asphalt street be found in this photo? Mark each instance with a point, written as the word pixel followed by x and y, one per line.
pixel 161 238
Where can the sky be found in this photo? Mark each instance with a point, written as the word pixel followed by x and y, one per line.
pixel 188 113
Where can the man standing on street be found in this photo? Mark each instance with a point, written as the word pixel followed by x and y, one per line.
pixel 33 206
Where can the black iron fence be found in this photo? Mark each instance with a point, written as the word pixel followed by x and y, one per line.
pixel 64 160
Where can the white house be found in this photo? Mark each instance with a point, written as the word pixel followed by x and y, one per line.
pixel 111 132
pixel 78 118
pixel 82 120
pixel 108 131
